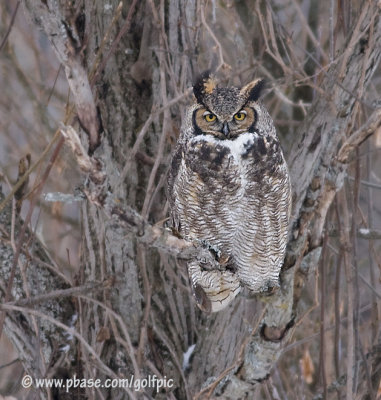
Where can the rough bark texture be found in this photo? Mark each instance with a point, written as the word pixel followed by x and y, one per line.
pixel 37 340
pixel 145 319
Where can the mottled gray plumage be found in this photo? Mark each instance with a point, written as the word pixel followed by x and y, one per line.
pixel 229 187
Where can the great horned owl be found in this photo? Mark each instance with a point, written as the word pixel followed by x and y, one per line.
pixel 229 189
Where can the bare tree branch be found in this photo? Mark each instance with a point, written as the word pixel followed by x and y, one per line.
pixel 68 46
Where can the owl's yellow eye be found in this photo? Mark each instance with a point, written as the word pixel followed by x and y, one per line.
pixel 240 116
pixel 210 117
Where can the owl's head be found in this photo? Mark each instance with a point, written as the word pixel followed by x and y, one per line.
pixel 225 112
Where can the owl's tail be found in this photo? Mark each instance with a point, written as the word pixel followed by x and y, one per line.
pixel 213 290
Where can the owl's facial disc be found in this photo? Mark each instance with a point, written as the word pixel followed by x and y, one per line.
pixel 224 127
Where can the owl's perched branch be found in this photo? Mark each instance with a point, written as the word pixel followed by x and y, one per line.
pixel 162 238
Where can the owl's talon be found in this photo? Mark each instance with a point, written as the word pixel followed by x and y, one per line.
pixel 224 259
pixel 176 233
pixel 213 249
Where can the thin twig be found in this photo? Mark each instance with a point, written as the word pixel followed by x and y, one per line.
pixel 141 261
pixel 10 363
pixel 356 288
pixel 372 272
pixel 308 29
pixel 350 295
pixel 322 314
pixel 337 350
pixel 154 113
pixel 162 142
pixel 25 225
pixel 10 25
pixel 21 181
pixel 71 331
pixel 94 69
pixel 216 41
pixel 60 294
pixel 54 85
pixel 128 341
pixel 364 310
pixel 115 43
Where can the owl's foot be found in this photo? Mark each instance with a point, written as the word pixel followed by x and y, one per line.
pixel 213 249
pixel 223 259
pixel 175 232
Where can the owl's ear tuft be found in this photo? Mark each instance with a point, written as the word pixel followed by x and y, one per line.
pixel 205 84
pixel 253 90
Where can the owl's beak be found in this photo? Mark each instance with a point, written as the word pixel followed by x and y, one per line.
pixel 225 129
